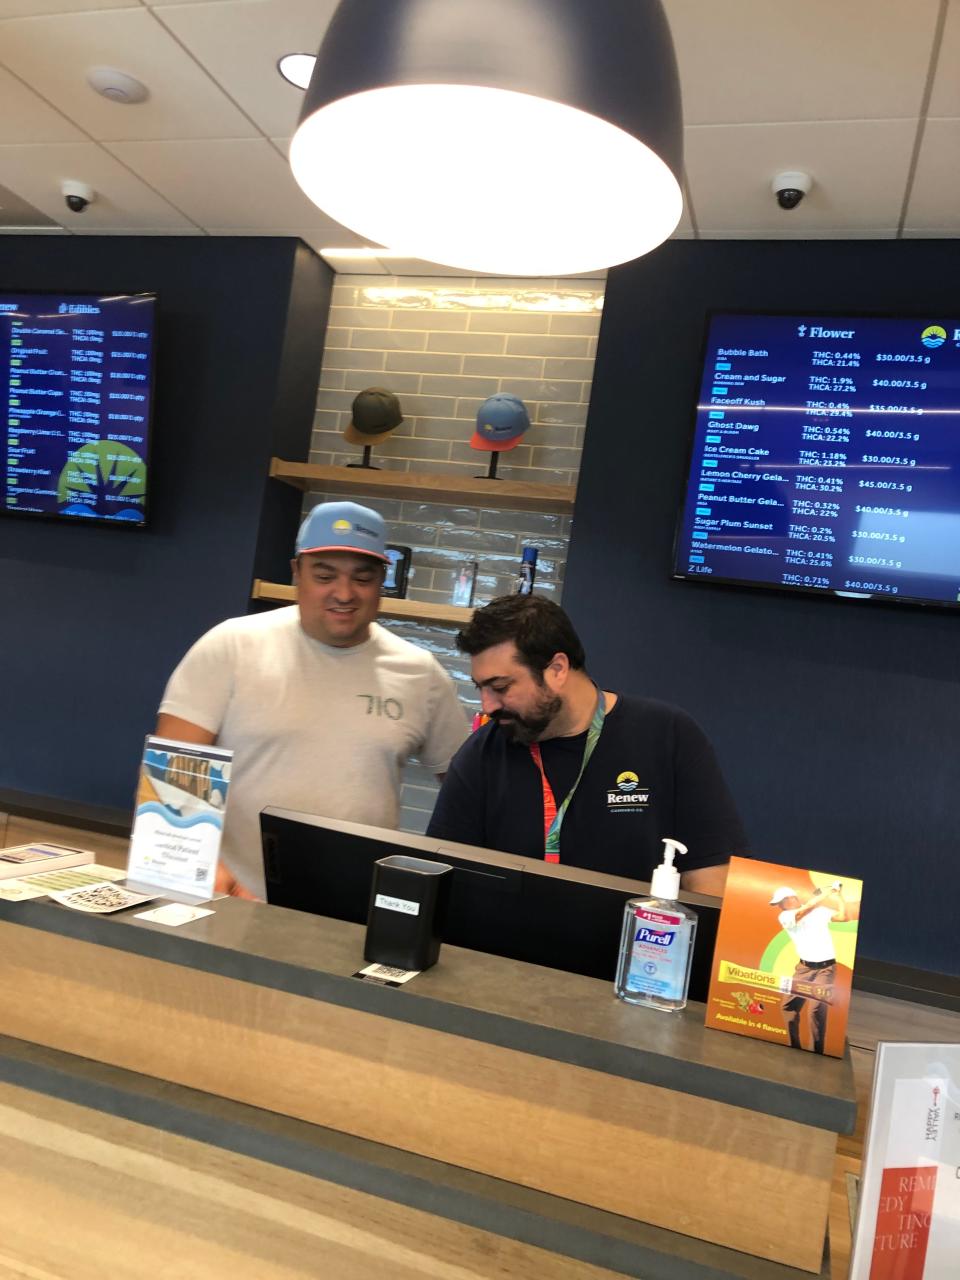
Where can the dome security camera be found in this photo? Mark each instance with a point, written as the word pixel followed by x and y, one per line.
pixel 77 195
pixel 790 188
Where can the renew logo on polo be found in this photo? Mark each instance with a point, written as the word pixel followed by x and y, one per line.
pixel 629 794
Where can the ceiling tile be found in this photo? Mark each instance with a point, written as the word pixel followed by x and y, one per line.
pixel 935 197
pixel 945 98
pixel 859 171
pixel 52 54
pixel 751 61
pixel 17 214
pixel 25 117
pixel 123 203
pixel 36 8
pixel 819 233
pixel 226 184
pixel 240 42
pixel 930 233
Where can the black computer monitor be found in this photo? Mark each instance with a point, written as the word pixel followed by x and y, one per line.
pixel 539 912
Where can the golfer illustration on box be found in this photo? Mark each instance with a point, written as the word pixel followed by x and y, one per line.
pixel 783 963
pixel 808 924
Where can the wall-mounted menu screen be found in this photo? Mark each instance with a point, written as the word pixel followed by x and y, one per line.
pixel 76 372
pixel 826 457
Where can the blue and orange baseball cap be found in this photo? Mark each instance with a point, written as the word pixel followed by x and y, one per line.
pixel 501 421
pixel 343 526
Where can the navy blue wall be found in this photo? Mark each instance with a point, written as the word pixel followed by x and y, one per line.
pixel 837 723
pixel 93 619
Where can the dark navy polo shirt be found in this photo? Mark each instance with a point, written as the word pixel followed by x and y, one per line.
pixel 653 774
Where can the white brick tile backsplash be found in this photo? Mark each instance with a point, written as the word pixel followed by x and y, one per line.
pixel 580 326
pixel 338 358
pixel 350 318
pixel 443 349
pixel 467 343
pixel 561 415
pixel 509 322
pixel 424 362
pixel 535 390
pixel 358 379
pixel 565 369
pixel 523 344
pixel 389 339
pixel 504 368
pixel 431 321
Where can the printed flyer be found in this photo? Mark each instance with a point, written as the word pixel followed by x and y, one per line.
pixel 181 801
pixel 908 1225
pixel 783 964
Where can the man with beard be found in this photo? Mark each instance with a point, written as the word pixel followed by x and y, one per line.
pixel 572 773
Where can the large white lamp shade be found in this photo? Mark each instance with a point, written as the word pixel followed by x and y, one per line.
pixel 516 137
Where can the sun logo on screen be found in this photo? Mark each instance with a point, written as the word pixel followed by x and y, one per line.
pixel 103 478
pixel 627 781
pixel 342 526
pixel 933 336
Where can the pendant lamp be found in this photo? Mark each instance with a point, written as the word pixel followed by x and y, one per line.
pixel 512 137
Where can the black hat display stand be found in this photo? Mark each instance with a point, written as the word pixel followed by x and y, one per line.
pixel 367 450
pixel 492 469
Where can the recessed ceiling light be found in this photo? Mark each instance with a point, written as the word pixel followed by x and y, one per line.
pixel 297 68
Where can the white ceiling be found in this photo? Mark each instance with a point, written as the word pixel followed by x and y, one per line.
pixel 862 94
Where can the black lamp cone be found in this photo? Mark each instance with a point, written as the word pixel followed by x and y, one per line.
pixel 613 59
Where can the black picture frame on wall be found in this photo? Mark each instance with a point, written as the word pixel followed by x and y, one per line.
pixel 88 297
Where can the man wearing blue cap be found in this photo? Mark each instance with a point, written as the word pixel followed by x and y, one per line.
pixel 320 704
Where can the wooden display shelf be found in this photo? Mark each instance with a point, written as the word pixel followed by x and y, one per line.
pixel 412 610
pixel 503 495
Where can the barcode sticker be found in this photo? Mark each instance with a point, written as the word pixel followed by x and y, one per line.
pixel 385 975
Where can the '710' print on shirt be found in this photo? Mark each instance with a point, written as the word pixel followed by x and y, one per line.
pixel 377 706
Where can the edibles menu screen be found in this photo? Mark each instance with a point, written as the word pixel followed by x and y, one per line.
pixel 826 457
pixel 76 371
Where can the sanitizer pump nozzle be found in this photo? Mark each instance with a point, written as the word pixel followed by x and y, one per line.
pixel 656 946
pixel 666 878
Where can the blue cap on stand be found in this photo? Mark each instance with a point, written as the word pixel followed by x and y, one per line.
pixel 501 421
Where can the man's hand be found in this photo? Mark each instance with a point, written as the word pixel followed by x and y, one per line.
pixel 227 882
pixel 706 880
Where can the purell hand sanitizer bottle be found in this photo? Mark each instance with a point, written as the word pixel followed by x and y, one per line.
pixel 656 946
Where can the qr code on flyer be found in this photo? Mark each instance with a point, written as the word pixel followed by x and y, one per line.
pixel 99 898
pixel 103 896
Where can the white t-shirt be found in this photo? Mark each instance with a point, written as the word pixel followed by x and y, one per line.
pixel 322 729
pixel 811 934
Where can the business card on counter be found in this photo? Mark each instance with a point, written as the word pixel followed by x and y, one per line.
pixel 173 914
pixel 385 975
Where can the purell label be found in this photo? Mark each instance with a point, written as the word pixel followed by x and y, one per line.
pixel 656 937
pixel 658 957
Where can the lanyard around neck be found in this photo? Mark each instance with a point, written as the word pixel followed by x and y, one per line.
pixel 552 816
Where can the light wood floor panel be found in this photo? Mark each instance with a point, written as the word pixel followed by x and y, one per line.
pixel 97 1196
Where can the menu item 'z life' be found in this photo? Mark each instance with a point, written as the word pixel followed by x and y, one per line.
pixel 78 376
pixel 826 456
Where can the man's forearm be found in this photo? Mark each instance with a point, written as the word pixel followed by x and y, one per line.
pixel 707 880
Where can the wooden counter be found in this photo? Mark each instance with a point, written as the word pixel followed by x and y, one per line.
pixel 528 1103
